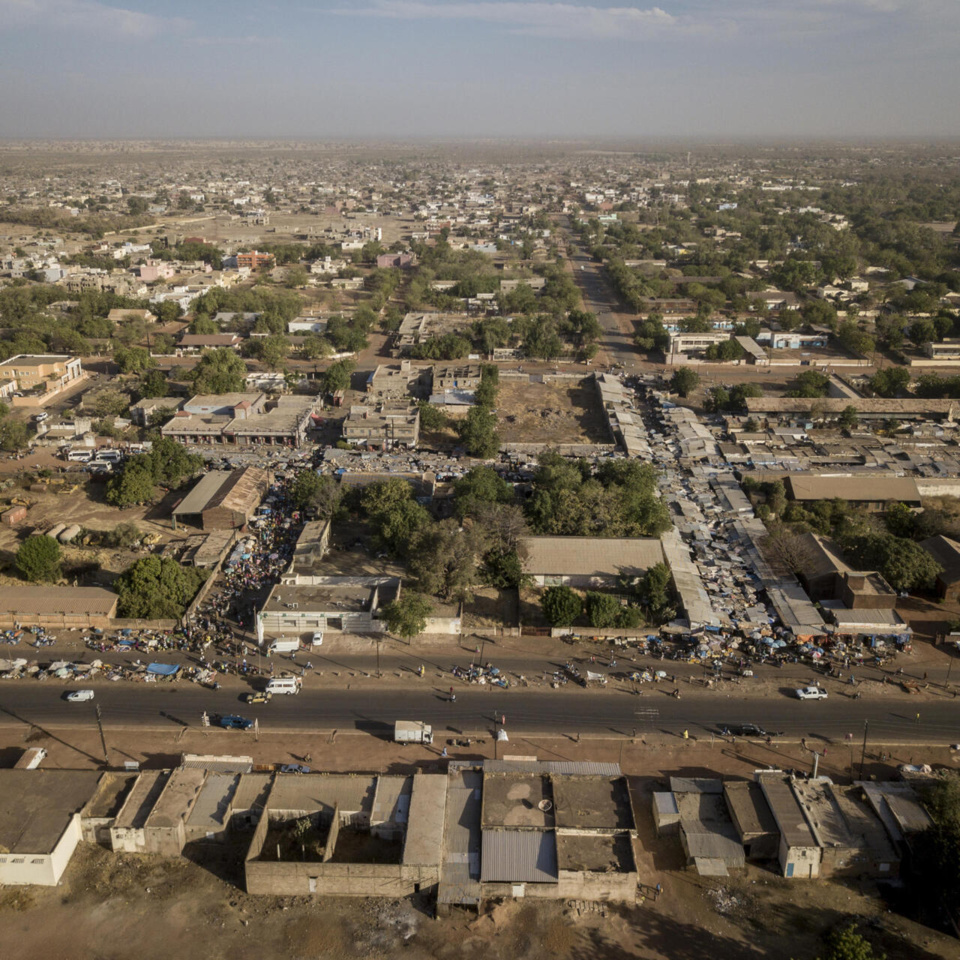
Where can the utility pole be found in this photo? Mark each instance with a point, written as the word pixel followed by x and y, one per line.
pixel 378 656
pixel 863 752
pixel 103 739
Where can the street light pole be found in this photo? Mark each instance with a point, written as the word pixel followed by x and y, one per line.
pixel 863 752
pixel 378 656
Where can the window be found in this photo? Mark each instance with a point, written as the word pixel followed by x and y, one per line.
pixel 38 860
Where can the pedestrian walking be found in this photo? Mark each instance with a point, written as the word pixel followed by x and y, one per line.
pixel 503 720
pixel 443 753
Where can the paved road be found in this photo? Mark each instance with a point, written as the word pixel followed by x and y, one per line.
pixel 542 712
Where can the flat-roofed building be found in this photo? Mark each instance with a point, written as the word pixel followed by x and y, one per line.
pixel 396 381
pixel 242 419
pixel 39 377
pixel 752 819
pixel 390 424
pixel 40 822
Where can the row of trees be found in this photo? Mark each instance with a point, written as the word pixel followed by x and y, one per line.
pixel 167 464
pixel 649 599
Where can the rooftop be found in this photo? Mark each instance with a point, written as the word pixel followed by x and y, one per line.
pixel 589 556
pixel 36 806
pixel 592 803
pixel 24 602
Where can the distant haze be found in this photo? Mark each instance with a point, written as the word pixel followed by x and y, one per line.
pixel 475 68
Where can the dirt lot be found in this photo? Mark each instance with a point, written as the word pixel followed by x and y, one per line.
pixel 83 503
pixel 550 413
pixel 111 905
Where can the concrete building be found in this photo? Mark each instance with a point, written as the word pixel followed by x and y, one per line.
pixel 390 424
pixel 308 552
pixel 455 377
pixel 852 841
pixel 64 608
pixel 340 604
pixel 127 831
pixel 686 344
pixel 416 328
pixel 223 499
pixel 524 828
pixel 143 410
pixel 39 377
pixel 588 562
pixel 197 342
pixel 752 819
pixel 369 835
pixel 40 822
pixel 164 830
pixel 254 261
pixel 398 381
pixel 799 853
pixel 243 419
pixel 947 349
pixel 709 839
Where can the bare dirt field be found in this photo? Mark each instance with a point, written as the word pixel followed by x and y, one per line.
pixel 550 413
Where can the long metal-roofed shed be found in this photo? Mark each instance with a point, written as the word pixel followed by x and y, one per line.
pixel 40 822
pixel 873 492
pixel 751 816
pixel 587 561
pixel 64 607
pixel 873 408
pixel 223 499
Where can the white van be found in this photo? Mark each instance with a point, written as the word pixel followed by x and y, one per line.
pixel 80 456
pixel 108 456
pixel 282 685
pixel 284 645
pixel 317 639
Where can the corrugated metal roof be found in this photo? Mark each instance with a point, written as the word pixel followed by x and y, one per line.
pixel 589 556
pixel 518 856
pixel 205 489
pixel 563 767
pixel 815 487
pixel 24 602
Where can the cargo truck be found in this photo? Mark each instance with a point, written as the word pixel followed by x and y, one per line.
pixel 412 731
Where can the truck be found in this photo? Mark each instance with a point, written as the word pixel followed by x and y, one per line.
pixel 811 693
pixel 284 645
pixel 412 731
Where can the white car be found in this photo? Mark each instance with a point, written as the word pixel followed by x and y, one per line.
pixel 40 417
pixel 78 696
pixel 811 693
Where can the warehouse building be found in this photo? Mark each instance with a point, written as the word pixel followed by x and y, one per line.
pixel 223 499
pixel 65 608
pixel 588 562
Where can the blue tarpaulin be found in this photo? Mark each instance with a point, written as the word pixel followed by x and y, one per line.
pixel 163 669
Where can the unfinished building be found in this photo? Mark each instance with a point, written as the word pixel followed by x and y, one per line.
pixel 348 835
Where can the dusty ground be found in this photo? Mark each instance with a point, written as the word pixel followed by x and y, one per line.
pixel 556 413
pixel 109 906
pixel 83 503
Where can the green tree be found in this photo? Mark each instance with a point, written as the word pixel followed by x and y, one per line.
pixel 337 376
pixel 14 435
pixel 656 594
pixel 478 433
pixel 890 381
pixel 847 944
pixel 561 606
pixel 133 359
pixel 407 617
pixel 503 569
pixel 432 418
pixel 152 385
pixel 38 559
pixel 849 417
pixel 171 463
pixel 156 588
pixel 684 381
pixel 603 609
pixel 480 485
pixel 134 484
pixel 811 384
pixel 905 565
pixel 310 489
pixel 315 347
pixel 219 371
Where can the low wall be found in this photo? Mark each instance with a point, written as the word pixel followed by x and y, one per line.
pixel 290 878
pixel 564 449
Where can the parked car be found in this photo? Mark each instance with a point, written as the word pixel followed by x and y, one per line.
pixel 811 693
pixel 80 696
pixel 258 696
pixel 40 417
pixel 747 730
pixel 233 722
pixel 294 768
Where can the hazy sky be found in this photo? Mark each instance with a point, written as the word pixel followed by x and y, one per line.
pixel 526 68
